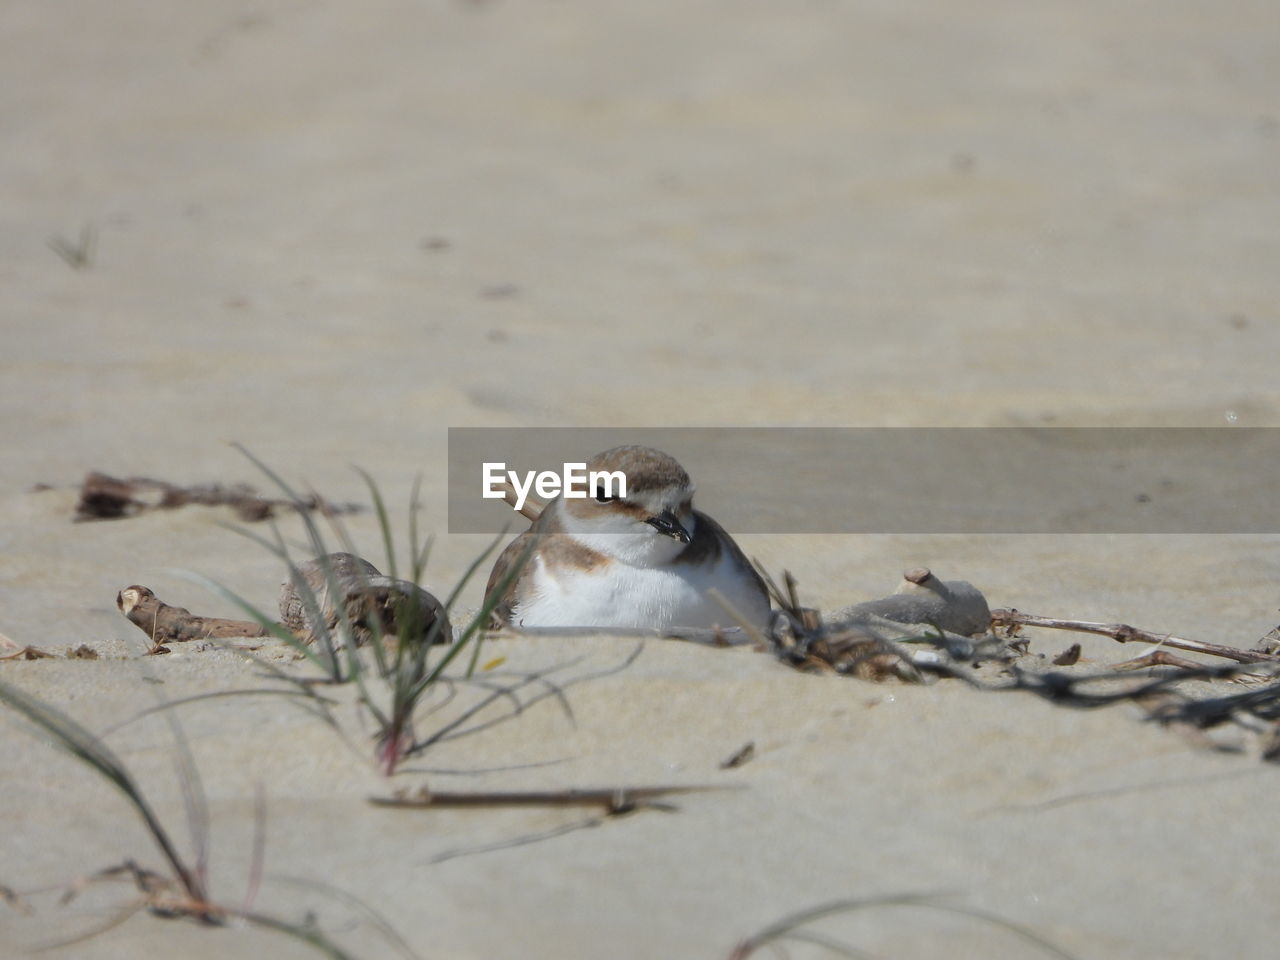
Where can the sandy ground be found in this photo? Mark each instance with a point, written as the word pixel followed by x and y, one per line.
pixel 330 232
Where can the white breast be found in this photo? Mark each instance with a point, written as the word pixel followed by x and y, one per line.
pixel 622 595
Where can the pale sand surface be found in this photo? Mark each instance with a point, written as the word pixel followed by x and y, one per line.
pixel 713 214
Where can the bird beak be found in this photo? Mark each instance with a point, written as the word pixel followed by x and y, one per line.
pixel 667 523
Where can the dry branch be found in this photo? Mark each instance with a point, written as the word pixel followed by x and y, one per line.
pixel 165 624
pixel 1123 633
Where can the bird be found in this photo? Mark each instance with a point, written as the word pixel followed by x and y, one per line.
pixel 645 560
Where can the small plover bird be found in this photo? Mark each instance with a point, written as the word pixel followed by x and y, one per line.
pixel 643 561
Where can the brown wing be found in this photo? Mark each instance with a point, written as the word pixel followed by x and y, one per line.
pixel 544 540
pixel 507 559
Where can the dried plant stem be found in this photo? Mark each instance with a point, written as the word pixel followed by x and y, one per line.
pixel 1123 633
pixel 613 799
pixel 28 653
pixel 1160 658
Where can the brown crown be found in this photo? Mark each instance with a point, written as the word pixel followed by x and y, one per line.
pixel 645 467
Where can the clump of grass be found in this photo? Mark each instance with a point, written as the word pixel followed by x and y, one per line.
pixel 183 892
pixel 70 736
pixel 396 672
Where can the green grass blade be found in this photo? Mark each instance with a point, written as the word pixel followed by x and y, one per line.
pixel 827 943
pixel 418 550
pixel 215 695
pixel 69 735
pixel 307 933
pixel 1017 929
pixel 380 923
pixel 328 659
pixel 316 541
pixel 275 478
pixel 482 617
pixel 274 628
pixel 308 521
pixel 788 926
pixel 379 649
pixel 384 522
pixel 194 799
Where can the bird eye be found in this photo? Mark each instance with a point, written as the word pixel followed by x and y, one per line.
pixel 602 497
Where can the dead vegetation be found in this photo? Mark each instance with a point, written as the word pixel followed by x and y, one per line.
pixel 340 587
pixel 28 652
pixel 103 497
pixel 884 639
pixel 181 891
pixel 379 633
pixel 1123 633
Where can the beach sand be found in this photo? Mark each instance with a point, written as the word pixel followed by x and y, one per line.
pixel 331 232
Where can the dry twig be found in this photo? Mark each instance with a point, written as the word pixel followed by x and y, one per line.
pixel 612 799
pixel 743 754
pixel 1123 633
pixel 28 653
pixel 1156 658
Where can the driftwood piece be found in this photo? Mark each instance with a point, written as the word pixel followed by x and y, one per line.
pixel 1123 633
pixel 365 594
pixel 871 640
pixel 369 600
pixel 165 624
pixel 104 497
pixel 955 606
